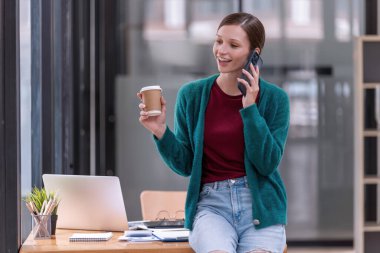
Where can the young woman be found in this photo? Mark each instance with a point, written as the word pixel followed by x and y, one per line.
pixel 230 145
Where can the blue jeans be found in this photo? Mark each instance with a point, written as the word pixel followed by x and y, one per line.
pixel 224 221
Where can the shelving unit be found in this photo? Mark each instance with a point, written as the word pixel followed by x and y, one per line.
pixel 367 145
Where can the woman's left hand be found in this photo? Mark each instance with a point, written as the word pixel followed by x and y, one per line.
pixel 252 87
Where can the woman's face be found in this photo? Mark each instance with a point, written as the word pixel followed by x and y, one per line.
pixel 231 48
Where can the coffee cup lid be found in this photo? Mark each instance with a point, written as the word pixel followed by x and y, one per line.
pixel 153 87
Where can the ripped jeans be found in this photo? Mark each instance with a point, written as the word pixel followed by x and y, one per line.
pixel 223 221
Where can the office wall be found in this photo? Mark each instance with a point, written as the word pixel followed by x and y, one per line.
pixel 139 165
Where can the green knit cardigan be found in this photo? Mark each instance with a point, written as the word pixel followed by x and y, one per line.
pixel 265 127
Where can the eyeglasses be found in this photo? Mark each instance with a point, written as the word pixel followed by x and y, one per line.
pixel 165 220
pixel 164 215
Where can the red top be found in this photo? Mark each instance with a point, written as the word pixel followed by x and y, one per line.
pixel 223 148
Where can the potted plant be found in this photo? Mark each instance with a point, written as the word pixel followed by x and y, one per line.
pixel 39 201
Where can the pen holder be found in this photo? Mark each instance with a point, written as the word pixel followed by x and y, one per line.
pixel 41 226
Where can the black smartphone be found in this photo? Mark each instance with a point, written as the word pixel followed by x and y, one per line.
pixel 256 60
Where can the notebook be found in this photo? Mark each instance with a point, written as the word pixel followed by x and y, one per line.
pixel 90 237
pixel 88 202
pixel 138 236
pixel 172 235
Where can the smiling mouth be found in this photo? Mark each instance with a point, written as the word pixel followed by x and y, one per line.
pixel 223 60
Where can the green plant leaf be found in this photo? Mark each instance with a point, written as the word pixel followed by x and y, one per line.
pixel 38 196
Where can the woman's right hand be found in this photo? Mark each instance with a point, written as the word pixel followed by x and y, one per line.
pixel 155 124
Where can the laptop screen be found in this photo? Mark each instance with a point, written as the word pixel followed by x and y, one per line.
pixel 88 202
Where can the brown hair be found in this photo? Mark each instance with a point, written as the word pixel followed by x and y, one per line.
pixel 250 24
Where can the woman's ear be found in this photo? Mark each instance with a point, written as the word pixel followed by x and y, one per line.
pixel 258 50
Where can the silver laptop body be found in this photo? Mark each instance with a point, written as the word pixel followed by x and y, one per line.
pixel 88 202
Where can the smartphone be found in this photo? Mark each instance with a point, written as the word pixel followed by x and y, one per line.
pixel 256 60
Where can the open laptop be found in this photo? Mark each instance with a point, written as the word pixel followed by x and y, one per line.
pixel 88 202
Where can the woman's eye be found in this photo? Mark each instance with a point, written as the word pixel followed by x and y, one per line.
pixel 218 41
pixel 234 46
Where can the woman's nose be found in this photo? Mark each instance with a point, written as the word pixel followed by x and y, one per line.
pixel 222 49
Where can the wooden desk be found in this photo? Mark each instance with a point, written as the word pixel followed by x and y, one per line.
pixel 61 244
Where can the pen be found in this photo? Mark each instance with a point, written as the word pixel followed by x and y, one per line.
pixel 34 208
pixel 29 208
pixel 42 207
pixel 48 206
pixel 182 238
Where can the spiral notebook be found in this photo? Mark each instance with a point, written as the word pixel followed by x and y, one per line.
pixel 90 237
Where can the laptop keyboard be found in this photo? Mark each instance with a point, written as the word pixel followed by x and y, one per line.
pixel 165 224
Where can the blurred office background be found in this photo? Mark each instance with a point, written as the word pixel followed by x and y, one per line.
pixel 82 63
